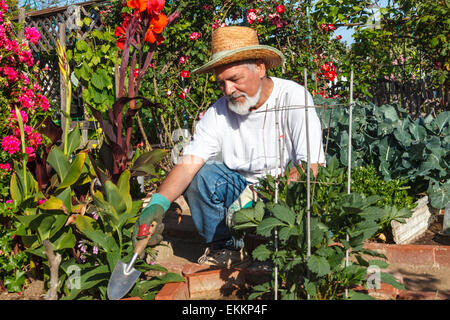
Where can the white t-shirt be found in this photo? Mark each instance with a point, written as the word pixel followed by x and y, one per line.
pixel 250 144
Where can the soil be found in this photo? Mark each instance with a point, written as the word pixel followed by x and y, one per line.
pixel 434 236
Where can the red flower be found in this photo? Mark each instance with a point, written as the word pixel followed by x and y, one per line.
pixel 281 8
pixel 155 6
pixel 325 67
pixel 184 74
pixel 339 37
pixel 140 5
pixel 157 25
pixel 194 36
pixel 120 32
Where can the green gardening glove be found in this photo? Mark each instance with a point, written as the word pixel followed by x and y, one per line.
pixel 154 212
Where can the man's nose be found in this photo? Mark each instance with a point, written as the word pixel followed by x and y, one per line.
pixel 229 88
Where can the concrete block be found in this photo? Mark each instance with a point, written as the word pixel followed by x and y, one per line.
pixel 414 226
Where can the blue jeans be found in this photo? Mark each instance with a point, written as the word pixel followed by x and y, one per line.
pixel 214 188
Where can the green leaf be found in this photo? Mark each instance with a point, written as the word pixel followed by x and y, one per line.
pixel 261 253
pixel 85 223
pixel 64 240
pixel 53 204
pixel 114 197
pixel 74 171
pixel 145 164
pixel 267 225
pixel 73 140
pixel 105 241
pixel 318 265
pixel 283 213
pixel 59 162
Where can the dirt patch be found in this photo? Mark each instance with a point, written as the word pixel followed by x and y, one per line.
pixel 433 235
pixel 33 291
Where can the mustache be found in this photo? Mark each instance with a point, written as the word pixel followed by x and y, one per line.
pixel 235 96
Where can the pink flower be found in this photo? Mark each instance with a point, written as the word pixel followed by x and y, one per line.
pixel 23 114
pixel 30 152
pixel 10 144
pixel 200 116
pixel 9 201
pixel 5 166
pixel 3 6
pixel 182 60
pixel 41 201
pixel 168 93
pixel 194 36
pixel 217 24
pixel 42 101
pixel 35 139
pixel 32 35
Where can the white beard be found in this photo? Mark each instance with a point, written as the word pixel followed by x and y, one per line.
pixel 243 108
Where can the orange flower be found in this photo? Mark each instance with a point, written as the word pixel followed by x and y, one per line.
pixel 141 5
pixel 157 25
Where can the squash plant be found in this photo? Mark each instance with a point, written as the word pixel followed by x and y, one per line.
pixel 334 215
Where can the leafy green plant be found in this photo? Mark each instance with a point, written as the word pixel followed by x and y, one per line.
pixel 396 145
pixel 339 222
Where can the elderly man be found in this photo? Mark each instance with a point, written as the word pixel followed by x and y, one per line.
pixel 241 130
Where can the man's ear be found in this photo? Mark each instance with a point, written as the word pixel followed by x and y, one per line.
pixel 261 68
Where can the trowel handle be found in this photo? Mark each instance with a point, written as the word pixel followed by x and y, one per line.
pixel 142 244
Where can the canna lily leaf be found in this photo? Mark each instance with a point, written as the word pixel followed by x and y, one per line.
pixel 74 171
pixel 59 162
pixel 147 161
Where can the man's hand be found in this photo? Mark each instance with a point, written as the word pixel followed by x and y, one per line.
pixel 152 213
pixel 294 175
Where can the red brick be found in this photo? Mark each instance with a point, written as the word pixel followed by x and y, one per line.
pixel 194 267
pixel 420 255
pixel 214 280
pixel 442 256
pixel 424 295
pixel 173 291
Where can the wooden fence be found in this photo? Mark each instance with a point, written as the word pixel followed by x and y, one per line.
pixel 416 96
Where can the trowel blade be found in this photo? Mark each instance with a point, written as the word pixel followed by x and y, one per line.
pixel 121 281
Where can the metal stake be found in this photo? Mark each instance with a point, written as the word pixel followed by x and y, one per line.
pixel 349 159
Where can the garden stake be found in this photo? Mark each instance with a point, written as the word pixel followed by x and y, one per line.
pixel 124 275
pixel 349 158
pixel 277 126
pixel 308 167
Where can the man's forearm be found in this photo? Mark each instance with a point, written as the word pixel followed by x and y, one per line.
pixel 180 177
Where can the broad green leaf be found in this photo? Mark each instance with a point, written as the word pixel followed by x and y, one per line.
pixel 102 239
pixel 267 225
pixel 65 239
pixel 59 162
pixel 114 198
pixel 390 279
pixel 261 253
pixel 74 171
pixel 73 140
pixel 318 265
pixel 53 204
pixel 147 161
pixel 85 223
pixel 124 187
pixel 283 213
pixel 66 197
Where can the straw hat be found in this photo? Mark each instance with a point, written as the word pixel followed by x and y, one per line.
pixel 236 43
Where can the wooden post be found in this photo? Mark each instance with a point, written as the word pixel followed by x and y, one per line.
pixel 62 86
pixel 22 22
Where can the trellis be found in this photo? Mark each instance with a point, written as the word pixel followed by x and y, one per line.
pixel 57 24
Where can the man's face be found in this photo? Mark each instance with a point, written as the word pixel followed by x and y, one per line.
pixel 241 84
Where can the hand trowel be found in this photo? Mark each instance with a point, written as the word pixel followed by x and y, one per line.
pixel 125 275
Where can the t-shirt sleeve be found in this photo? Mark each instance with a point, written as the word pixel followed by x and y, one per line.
pixel 206 141
pixel 297 124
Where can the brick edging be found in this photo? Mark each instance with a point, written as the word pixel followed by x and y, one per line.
pixel 417 254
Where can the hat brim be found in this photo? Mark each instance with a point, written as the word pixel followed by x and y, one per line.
pixel 272 57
